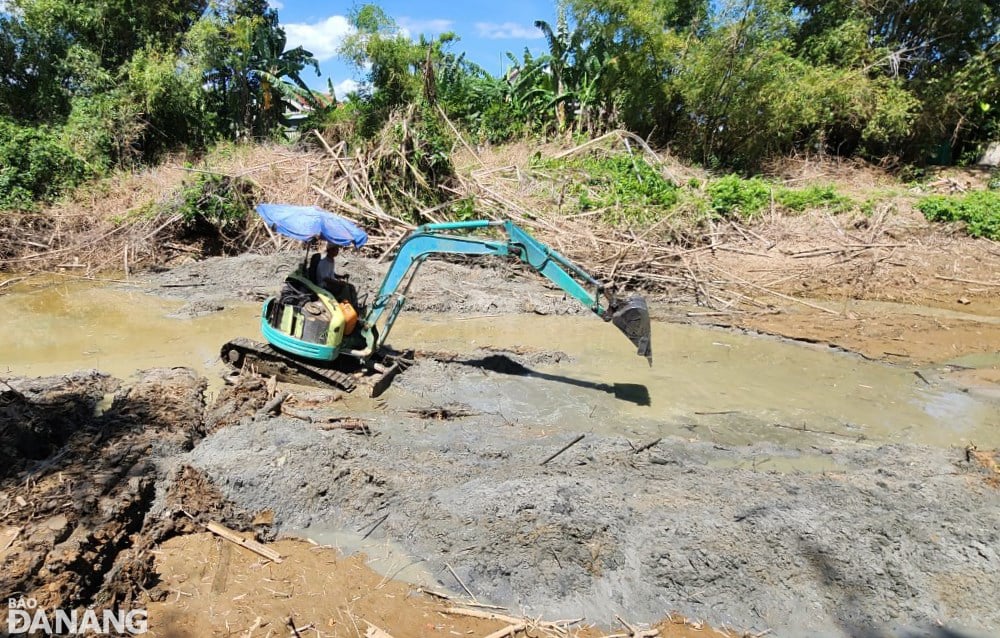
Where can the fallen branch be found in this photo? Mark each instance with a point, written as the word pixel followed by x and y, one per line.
pixel 274 405
pixel 375 526
pixel 968 281
pixel 509 630
pixel 221 530
pixel 778 294
pixel 460 582
pixel 376 632
pixel 13 534
pixel 647 446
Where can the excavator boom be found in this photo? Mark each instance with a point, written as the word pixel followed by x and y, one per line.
pixel 631 316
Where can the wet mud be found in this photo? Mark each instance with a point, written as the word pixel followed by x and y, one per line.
pixel 894 538
pixel 779 487
pixel 93 484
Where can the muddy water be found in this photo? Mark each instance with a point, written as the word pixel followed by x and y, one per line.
pixel 63 326
pixel 708 384
pixel 711 384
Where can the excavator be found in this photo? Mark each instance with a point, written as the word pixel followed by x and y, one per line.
pixel 317 339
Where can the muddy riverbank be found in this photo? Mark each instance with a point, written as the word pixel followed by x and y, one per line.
pixel 885 538
pixel 744 481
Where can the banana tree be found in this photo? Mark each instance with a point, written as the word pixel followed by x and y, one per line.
pixel 564 46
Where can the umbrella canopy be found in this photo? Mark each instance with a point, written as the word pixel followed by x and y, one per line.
pixel 308 222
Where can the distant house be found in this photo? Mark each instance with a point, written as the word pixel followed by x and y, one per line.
pixel 298 109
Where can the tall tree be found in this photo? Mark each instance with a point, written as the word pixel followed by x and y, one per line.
pixel 945 52
pixel 641 42
pixel 250 75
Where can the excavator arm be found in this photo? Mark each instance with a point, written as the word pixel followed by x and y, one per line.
pixel 631 316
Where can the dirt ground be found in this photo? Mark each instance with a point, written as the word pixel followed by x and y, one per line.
pixel 107 484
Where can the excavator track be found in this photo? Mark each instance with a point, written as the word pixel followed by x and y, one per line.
pixel 267 360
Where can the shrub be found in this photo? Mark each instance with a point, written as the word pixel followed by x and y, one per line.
pixel 979 211
pixel 222 201
pixel 34 166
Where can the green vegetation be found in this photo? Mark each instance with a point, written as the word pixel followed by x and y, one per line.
pixel 216 199
pixel 979 211
pixel 733 196
pixel 747 198
pixel 90 87
pixel 34 166
pixel 625 188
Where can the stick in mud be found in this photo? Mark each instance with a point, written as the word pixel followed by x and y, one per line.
pixel 375 526
pixel 647 446
pixel 274 405
pixel 460 582
pixel 564 448
pixel 228 534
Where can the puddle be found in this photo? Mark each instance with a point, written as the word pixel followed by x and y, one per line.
pixel 708 384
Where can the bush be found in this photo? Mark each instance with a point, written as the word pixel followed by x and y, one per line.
pixel 979 211
pixel 221 201
pixel 34 166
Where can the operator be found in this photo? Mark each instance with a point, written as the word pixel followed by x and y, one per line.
pixel 325 275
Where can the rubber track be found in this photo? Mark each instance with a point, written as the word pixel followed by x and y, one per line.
pixel 269 360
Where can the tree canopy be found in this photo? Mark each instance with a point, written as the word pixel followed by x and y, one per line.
pixel 727 84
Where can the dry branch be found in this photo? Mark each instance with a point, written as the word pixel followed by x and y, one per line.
pixel 252 545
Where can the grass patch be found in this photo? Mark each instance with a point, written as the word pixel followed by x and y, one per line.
pixel 625 188
pixel 979 211
pixel 734 196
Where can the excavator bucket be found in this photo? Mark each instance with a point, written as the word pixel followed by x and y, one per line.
pixel 632 318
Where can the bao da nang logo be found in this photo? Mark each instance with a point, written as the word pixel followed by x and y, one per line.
pixel 25 616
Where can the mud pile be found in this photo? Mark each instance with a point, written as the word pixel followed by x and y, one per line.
pixel 90 484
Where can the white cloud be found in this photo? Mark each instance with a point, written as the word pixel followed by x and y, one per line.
pixel 507 31
pixel 275 4
pixel 411 27
pixel 344 88
pixel 322 38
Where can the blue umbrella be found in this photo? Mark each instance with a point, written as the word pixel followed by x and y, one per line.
pixel 308 222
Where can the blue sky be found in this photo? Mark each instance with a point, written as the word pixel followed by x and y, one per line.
pixel 486 30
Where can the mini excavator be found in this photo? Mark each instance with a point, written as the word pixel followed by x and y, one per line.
pixel 314 338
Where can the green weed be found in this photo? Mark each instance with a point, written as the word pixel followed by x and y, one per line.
pixel 800 199
pixel 979 211
pixel 733 196
pixel 626 188
pixel 747 198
